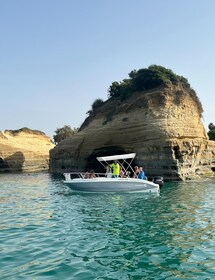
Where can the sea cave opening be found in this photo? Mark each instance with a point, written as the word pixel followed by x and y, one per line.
pixel 176 152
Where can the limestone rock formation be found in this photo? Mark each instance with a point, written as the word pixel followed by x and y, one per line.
pixel 162 126
pixel 24 150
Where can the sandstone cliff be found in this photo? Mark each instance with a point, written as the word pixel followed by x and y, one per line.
pixel 162 126
pixel 24 150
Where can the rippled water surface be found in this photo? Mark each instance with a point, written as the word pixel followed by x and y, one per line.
pixel 48 232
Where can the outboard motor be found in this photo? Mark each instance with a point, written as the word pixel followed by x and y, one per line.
pixel 158 180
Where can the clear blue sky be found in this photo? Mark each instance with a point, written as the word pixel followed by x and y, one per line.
pixel 58 56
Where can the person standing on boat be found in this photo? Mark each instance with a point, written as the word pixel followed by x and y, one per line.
pixel 116 168
pixel 136 172
pixel 141 174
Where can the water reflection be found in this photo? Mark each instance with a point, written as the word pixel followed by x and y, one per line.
pixel 24 197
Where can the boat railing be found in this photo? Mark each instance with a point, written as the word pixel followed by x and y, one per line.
pixel 83 175
pixel 87 175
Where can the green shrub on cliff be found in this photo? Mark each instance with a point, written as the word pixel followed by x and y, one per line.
pixel 211 133
pixel 96 104
pixel 211 126
pixel 63 133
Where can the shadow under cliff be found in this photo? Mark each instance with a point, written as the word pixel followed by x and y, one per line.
pixel 13 163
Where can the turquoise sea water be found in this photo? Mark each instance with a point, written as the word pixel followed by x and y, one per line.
pixel 48 232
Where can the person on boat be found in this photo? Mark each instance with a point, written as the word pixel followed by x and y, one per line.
pixel 141 174
pixel 86 175
pixel 116 168
pixel 92 174
pixel 127 174
pixel 108 173
pixel 136 172
pixel 121 173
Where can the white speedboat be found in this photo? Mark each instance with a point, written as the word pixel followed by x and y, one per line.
pixel 103 182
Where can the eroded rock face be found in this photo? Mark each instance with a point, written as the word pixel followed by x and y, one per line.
pixel 25 151
pixel 163 127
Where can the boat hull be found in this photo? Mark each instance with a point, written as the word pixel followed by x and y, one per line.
pixel 112 185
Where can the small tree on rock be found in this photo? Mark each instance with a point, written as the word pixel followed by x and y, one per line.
pixel 96 104
pixel 211 133
pixel 211 126
pixel 63 133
